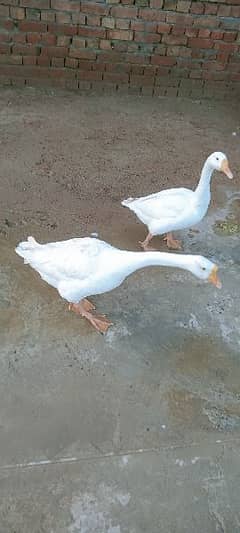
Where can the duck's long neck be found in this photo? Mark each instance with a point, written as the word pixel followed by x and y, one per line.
pixel 203 188
pixel 137 260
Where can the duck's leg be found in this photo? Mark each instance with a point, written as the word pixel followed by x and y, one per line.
pixel 172 243
pixel 145 244
pixel 99 322
pixel 88 306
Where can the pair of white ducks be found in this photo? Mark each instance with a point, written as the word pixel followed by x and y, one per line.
pixel 82 267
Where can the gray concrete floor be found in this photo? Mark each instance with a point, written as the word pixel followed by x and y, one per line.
pixel 137 431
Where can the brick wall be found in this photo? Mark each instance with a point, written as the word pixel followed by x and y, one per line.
pixel 157 47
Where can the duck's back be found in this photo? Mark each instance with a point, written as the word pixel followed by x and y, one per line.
pixel 63 260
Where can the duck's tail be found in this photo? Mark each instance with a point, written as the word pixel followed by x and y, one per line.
pixel 127 202
pixel 25 248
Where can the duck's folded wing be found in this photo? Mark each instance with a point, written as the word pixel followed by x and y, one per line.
pixel 165 204
pixel 76 258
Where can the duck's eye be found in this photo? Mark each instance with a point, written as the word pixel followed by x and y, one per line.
pixel 203 268
pixel 217 158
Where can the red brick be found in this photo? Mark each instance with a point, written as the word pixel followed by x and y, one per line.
pixel 48 16
pixel 29 60
pixel 28 26
pixel 8 25
pixel 174 39
pixel 133 46
pixel 63 18
pixel 226 47
pixel 207 22
pixel 5 37
pixel 65 5
pixel 78 18
pixel 55 51
pixel 4 11
pixel 92 32
pixel 156 4
pixel 43 61
pixel 62 29
pixel 116 77
pixel 35 4
pixel 209 75
pixel 200 43
pixel 216 34
pixel 163 60
pixel 122 35
pixel 204 33
pixel 25 50
pixel 235 11
pixel 152 15
pixel 99 9
pixel 96 66
pixel 223 57
pixel 105 44
pixel 34 38
pixel 93 20
pixel 78 42
pixel 146 37
pixel 45 38
pixel 141 80
pixel 230 36
pixel 213 65
pixel 123 24
pixel 111 57
pixel 224 11
pixel 211 9
pixel 197 8
pixel 17 13
pixel 11 60
pixel 84 64
pixel 82 53
pixel 62 40
pixel 183 5
pixel 150 70
pixel 118 67
pixel 163 28
pixel 124 12
pixel 33 14
pixel 19 37
pixel 5 48
pixel 70 62
pixel 180 19
pixel 108 22
pixel 137 58
pixel 178 30
pixel 140 25
pixel 57 62
pixel 89 75
pixel 191 32
pixel 196 74
pixel 177 51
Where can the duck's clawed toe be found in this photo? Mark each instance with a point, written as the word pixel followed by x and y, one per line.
pixel 172 244
pixel 100 323
pixel 146 247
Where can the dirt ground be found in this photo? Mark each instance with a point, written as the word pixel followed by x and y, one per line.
pixel 137 431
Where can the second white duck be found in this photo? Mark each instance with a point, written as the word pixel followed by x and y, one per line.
pixel 82 267
pixel 175 209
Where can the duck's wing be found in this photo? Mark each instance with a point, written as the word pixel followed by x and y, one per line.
pixel 64 260
pixel 165 204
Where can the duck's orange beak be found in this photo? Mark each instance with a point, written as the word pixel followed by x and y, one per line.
pixel 214 279
pixel 225 168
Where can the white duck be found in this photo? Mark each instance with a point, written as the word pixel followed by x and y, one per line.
pixel 175 209
pixel 78 268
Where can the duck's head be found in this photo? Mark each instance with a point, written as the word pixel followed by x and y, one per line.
pixel 219 161
pixel 205 270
